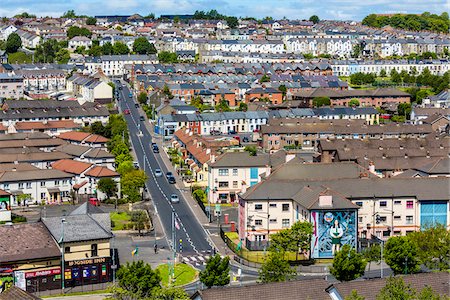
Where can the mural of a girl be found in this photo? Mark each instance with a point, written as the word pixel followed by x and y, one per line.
pixel 336 233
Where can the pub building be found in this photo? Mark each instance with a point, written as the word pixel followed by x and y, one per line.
pixel 29 258
pixel 86 244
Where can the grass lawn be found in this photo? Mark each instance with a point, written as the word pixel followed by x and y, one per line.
pixel 120 219
pixel 184 274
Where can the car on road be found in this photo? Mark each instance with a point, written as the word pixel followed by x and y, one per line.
pixel 142 118
pixel 170 177
pixel 245 139
pixel 174 198
pixel 126 111
pixel 158 172
pixel 130 95
pixel 155 149
pixel 136 105
pixel 120 88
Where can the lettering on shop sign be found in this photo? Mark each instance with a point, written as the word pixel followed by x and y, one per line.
pixel 87 261
pixel 43 273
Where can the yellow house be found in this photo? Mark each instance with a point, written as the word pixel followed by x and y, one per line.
pixel 84 236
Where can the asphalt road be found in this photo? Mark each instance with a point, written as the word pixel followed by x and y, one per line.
pixel 191 233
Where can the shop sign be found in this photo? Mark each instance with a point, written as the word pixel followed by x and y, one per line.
pixel 56 271
pixel 87 261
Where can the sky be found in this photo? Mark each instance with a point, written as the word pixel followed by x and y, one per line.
pixel 292 9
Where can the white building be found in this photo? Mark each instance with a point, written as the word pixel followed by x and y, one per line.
pixel 80 41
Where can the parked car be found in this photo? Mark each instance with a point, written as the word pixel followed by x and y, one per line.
pixel 158 172
pixel 174 198
pixel 232 132
pixel 130 95
pixel 126 111
pixel 245 139
pixel 136 105
pixel 136 164
pixel 142 118
pixel 155 149
pixel 214 132
pixel 120 88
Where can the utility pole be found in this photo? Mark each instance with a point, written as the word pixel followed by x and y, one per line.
pixel 63 221
pixel 114 267
pixel 174 249
pixel 381 258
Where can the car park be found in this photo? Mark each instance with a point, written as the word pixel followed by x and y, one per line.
pixel 174 198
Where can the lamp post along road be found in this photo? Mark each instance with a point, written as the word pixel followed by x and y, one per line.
pixel 63 221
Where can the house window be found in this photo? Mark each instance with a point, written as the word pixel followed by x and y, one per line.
pixel 67 250
pixel 42 196
pixel 382 219
pixel 383 203
pixel 409 219
pixel 235 172
pixel 94 250
pixel 57 182
pixel 223 184
pixel 273 205
pixel 235 184
pixel 285 207
pixel 273 220
pixel 386 233
pixel 360 219
pixel 285 223
pixel 359 203
pixel 409 204
pixel 397 202
pixel 397 218
pixel 258 206
pixel 223 172
pixel 42 183
pixel 20 185
pixel 28 185
pixel 258 222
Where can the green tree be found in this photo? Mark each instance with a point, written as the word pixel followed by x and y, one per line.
pixel 166 57
pixel 404 109
pixel 169 294
pixel 91 21
pixel 74 31
pixel 167 92
pixel 348 264
pixel 353 102
pixel 131 183
pixel 120 148
pixel 80 50
pixel 19 58
pixel 138 278
pixel 120 48
pixel 357 49
pixel 13 43
pixel 95 51
pixel 427 293
pixel 139 219
pixel 107 48
pixel 142 97
pixel 62 56
pixel 70 14
pixel 251 150
pixel 264 78
pixel 123 157
pixel 98 128
pixel 372 254
pixel 395 76
pixel 276 269
pixel 434 247
pixel 321 101
pixel 314 18
pixel 46 52
pixel 301 233
pixel 396 289
pixel 107 186
pixel 243 106
pixel 232 22
pixel 354 296
pixel 142 46
pixel 401 254
pixel 222 106
pixel 217 272
pixel 25 15
pixel 125 167
pixel 383 73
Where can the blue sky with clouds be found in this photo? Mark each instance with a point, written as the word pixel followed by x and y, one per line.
pixel 293 9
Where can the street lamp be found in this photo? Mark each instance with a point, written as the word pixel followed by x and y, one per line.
pixel 63 221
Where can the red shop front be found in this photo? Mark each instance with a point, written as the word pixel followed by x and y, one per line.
pixel 43 280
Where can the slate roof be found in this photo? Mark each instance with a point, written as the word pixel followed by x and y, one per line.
pixel 26 241
pixel 15 293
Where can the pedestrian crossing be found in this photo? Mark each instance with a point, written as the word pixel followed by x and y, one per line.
pixel 196 260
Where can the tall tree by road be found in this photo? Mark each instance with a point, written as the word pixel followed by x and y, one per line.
pixel 107 186
pixel 217 272
pixel 401 254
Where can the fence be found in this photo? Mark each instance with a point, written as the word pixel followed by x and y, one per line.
pixel 256 258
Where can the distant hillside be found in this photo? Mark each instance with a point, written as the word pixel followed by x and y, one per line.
pixel 425 21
